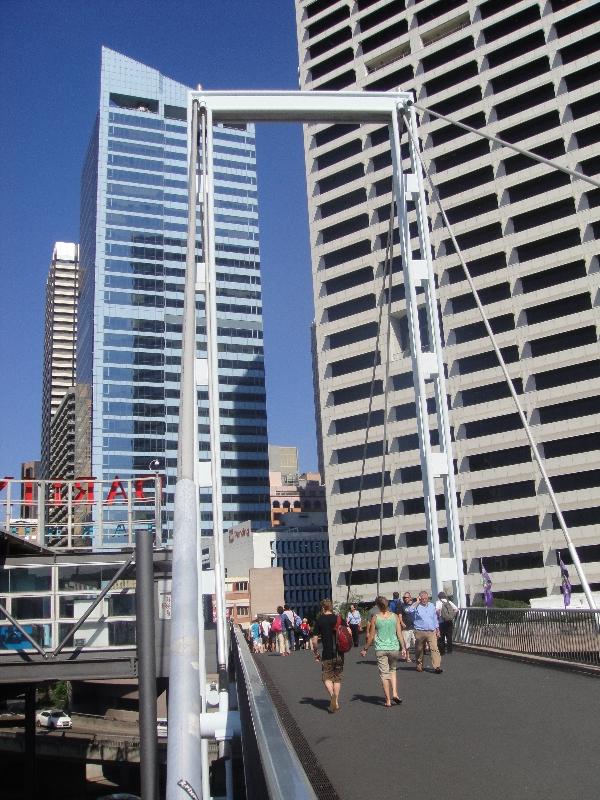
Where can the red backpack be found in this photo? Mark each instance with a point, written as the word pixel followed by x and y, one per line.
pixel 343 636
pixel 276 626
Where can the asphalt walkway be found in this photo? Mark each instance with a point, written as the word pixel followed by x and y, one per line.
pixel 487 729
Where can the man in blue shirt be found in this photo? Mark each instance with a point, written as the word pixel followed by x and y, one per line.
pixel 426 630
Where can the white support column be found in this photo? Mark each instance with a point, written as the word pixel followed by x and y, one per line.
pixel 443 460
pixel 403 185
pixel 208 248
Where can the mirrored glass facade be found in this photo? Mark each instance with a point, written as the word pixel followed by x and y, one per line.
pixel 133 230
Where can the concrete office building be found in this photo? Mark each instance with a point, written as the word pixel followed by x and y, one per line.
pixel 284 459
pixel 528 72
pixel 133 245
pixel 60 331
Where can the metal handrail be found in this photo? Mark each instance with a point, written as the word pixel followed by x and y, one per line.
pixel 559 634
pixel 282 772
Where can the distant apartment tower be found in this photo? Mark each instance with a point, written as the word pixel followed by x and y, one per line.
pixel 60 331
pixel 30 471
pixel 528 72
pixel 133 250
pixel 284 459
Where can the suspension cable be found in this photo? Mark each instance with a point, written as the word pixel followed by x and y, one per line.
pixel 534 448
pixel 387 273
pixel 389 251
pixel 573 173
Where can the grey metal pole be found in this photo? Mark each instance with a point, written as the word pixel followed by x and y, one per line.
pixel 184 766
pixel 146 656
pixel 30 759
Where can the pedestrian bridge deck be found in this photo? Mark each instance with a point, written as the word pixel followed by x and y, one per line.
pixel 486 728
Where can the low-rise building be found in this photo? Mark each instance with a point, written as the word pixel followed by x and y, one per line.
pixel 302 554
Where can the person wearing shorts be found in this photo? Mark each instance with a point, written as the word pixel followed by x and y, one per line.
pixel 386 632
pixel 407 610
pixel 332 662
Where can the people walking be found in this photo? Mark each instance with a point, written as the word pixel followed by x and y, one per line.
pixel 265 630
pixel 305 633
pixel 354 622
pixel 406 609
pixel 426 632
pixel 279 628
pixel 446 611
pixel 332 662
pixel 290 628
pixel 386 631
pixel 256 637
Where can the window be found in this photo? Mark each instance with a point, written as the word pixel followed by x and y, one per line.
pixel 507 563
pixel 358 422
pixel 26 579
pixel 366 513
pixel 418 572
pixel 369 576
pixel 558 308
pixel 540 185
pixel 556 448
pixel 546 212
pixel 345 455
pixel 121 605
pixel 340 178
pixel 31 607
pixel 370 480
pixel 242 611
pixel 387 34
pixel 358 333
pixel 85 577
pixel 563 341
pixel 506 527
pixel 499 458
pixel 345 228
pixel 569 410
pixel 121 633
pixel 492 426
pixel 74 605
pixel 332 63
pixel 360 391
pixel 354 364
pixel 562 376
pixel 477 266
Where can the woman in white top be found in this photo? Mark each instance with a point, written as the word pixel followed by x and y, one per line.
pixel 354 622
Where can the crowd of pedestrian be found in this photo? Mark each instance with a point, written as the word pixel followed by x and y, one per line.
pixel 398 628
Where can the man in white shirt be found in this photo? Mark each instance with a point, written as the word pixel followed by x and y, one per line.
pixel 446 611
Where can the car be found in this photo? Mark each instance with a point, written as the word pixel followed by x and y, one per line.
pixel 161 727
pixel 53 718
pixel 119 796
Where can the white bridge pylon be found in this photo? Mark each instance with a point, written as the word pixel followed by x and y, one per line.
pixel 205 109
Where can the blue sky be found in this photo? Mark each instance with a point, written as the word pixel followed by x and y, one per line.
pixel 49 82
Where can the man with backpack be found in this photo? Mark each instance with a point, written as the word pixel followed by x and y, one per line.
pixel 446 611
pixel 336 639
pixel 279 628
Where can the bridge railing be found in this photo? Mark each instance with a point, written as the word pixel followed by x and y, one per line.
pixel 271 767
pixel 563 635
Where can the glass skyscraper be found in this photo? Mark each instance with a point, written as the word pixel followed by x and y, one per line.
pixel 133 230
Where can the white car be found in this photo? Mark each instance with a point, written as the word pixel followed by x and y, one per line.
pixel 53 718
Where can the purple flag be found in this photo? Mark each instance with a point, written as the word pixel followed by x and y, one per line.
pixel 487 586
pixel 566 583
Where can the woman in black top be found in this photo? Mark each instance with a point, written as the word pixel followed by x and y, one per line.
pixel 332 662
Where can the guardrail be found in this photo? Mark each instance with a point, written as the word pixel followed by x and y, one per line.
pixel 271 767
pixel 562 635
